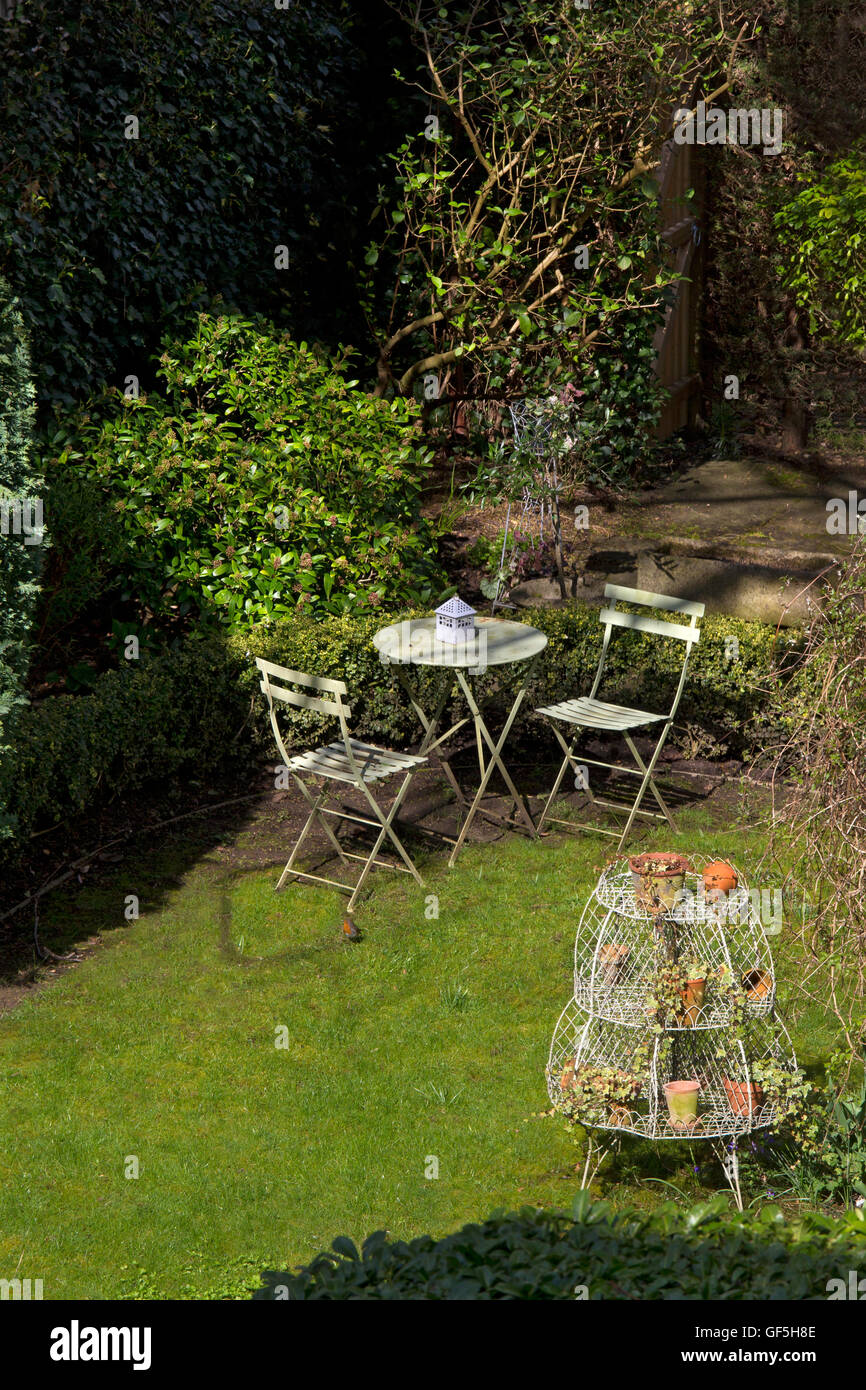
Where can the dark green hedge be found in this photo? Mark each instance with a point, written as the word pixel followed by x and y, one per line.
pixel 163 717
pixel 250 136
pixel 705 1253
pixel 21 493
pixel 185 712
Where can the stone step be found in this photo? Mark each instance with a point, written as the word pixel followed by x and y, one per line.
pixel 764 585
pixel 761 583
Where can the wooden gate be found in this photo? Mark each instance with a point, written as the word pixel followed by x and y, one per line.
pixel 675 342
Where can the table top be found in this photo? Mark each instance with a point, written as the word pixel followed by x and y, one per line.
pixel 497 641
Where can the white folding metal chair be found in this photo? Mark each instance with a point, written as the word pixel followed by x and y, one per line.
pixel 591 713
pixel 347 761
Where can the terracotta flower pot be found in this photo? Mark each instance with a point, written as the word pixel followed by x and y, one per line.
pixel 682 1099
pixel 757 984
pixel 567 1079
pixel 612 959
pixel 743 1099
pixel 692 995
pixel 658 880
pixel 719 877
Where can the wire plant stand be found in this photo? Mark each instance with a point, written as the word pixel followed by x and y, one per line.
pixel 533 428
pixel 610 1021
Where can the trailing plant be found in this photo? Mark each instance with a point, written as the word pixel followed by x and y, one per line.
pixel 668 1001
pixel 592 1092
pixel 784 1087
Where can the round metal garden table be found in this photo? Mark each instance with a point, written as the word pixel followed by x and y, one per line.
pixel 497 642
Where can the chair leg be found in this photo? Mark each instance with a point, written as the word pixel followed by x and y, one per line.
pixel 647 781
pixel 568 761
pixel 314 816
pixel 387 824
pixel 652 783
pixel 387 830
pixel 569 750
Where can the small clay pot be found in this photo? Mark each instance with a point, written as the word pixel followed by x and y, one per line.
pixel 612 959
pixel 757 984
pixel 657 889
pixel 743 1099
pixel 682 1099
pixel 719 877
pixel 692 995
pixel 566 1081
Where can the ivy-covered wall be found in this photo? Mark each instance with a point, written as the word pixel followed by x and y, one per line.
pixel 156 156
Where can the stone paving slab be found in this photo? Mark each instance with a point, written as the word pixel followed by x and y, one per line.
pixel 747 536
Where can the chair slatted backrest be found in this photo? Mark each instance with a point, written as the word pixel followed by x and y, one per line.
pixel 275 684
pixel 639 622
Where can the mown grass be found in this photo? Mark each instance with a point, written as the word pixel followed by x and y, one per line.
pixel 427 1040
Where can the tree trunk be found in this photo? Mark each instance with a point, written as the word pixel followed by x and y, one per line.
pixel 796 418
pixel 557 546
pixel 796 425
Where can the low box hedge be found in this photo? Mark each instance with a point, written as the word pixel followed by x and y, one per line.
pixel 193 710
pixel 168 715
pixel 725 698
pixel 706 1253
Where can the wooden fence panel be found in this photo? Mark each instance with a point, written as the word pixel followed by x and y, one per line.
pixel 676 340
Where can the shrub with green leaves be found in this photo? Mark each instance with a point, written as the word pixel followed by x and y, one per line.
pixel 706 1253
pixel 20 509
pixel 823 236
pixel 261 483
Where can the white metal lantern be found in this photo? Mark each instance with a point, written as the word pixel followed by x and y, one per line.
pixel 455 621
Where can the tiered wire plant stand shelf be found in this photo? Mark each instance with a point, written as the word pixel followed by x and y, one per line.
pixel 636 1022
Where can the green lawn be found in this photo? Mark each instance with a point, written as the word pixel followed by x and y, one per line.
pixel 426 1040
